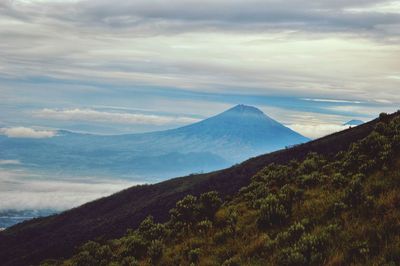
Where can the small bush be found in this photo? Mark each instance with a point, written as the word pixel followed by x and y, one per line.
pixel 291 257
pixel 354 194
pixel 272 212
pixel 83 258
pixel 186 210
pixel 209 204
pixel 292 235
pixel 336 209
pixel 358 251
pixel 338 180
pixel 129 261
pixel 222 236
pixel 150 230
pixel 155 251
pixel 231 262
pixel 136 246
pixel 204 226
pixel 194 255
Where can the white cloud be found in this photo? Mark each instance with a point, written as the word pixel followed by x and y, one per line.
pixel 22 190
pixel 330 100
pixel 317 130
pixel 373 110
pixel 387 7
pixel 311 124
pixel 26 132
pixel 9 162
pixel 111 117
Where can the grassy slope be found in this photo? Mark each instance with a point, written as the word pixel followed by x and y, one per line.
pixel 58 235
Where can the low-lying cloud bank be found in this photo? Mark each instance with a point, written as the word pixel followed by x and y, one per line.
pixel 111 117
pixel 26 132
pixel 9 162
pixel 317 130
pixel 21 190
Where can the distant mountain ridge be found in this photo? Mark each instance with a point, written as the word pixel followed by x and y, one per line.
pixel 354 122
pixel 214 143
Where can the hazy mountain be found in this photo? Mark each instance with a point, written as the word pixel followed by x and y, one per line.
pixel 11 217
pixel 217 142
pixel 354 122
pixel 57 236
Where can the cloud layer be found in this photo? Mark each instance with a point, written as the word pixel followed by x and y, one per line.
pixel 21 190
pixel 110 117
pixel 26 132
pixel 317 131
pixel 298 47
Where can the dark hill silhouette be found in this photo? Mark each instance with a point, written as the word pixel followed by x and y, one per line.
pixel 57 236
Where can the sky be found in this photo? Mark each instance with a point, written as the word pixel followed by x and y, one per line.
pixel 112 67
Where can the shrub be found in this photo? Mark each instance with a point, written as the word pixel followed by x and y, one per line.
pixel 222 236
pixel 150 230
pixel 194 255
pixel 272 212
pixel 354 194
pixel 288 194
pixel 383 115
pixel 92 253
pixel 313 248
pixel 204 226
pixel 136 246
pixel 232 220
pixel 292 235
pixel 309 180
pixel 291 257
pixel 336 209
pixel 311 164
pixel 104 253
pixel 274 175
pixel 155 251
pixel 84 258
pixel 91 247
pixel 338 180
pixel 358 250
pixel 231 262
pixel 186 210
pixel 209 204
pixel 129 261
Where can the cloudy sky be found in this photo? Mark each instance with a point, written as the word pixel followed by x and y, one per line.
pixel 117 66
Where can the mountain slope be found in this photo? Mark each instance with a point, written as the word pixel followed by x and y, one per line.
pixel 214 143
pixel 57 236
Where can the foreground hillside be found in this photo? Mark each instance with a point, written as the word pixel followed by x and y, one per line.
pixel 320 210
pixel 58 236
